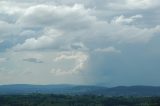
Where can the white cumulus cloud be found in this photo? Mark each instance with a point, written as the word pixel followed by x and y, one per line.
pixel 79 59
pixel 41 42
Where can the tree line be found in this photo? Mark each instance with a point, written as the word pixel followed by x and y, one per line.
pixel 75 100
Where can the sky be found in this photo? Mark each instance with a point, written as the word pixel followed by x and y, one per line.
pixel 86 42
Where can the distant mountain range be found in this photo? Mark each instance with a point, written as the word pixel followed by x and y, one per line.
pixel 80 90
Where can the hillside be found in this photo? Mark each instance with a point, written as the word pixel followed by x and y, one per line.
pixel 80 90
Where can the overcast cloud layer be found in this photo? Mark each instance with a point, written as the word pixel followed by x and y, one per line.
pixel 95 42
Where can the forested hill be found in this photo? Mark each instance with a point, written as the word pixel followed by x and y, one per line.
pixel 80 90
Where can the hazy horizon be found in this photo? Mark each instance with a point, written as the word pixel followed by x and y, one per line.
pixel 83 42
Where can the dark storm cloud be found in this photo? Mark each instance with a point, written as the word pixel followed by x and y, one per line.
pixel 34 60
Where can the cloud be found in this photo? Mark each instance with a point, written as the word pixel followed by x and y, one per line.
pixel 75 23
pixel 75 17
pixel 39 43
pixel 132 34
pixel 79 59
pixel 4 27
pixel 34 60
pixel 107 50
pixel 78 46
pixel 73 46
pixel 1 41
pixel 116 33
pixel 123 20
pixel 134 4
pixel 142 4
pixel 71 39
pixel 2 60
